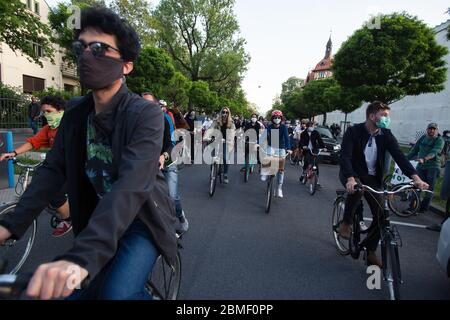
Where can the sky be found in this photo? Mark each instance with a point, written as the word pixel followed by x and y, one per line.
pixel 287 38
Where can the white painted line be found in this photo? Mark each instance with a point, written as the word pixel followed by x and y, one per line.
pixel 403 224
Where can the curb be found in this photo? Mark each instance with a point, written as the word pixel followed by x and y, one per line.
pixel 437 209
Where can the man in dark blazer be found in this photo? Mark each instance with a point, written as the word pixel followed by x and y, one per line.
pixel 310 142
pixel 363 155
pixel 107 150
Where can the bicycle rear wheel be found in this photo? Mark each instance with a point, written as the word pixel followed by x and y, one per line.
pixel 17 252
pixel 269 194
pixel 392 268
pixel 342 245
pixel 246 173
pixel 164 281
pixel 213 180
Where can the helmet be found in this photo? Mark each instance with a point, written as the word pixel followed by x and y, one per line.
pixel 162 103
pixel 277 113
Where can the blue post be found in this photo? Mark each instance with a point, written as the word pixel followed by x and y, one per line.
pixel 10 148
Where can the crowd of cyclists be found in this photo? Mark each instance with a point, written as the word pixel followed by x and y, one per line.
pixel 113 158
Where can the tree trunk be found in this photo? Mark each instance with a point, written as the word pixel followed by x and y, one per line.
pixel 324 119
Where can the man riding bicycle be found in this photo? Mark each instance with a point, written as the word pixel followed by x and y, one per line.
pixel 279 149
pixel 107 150
pixel 310 142
pixel 362 161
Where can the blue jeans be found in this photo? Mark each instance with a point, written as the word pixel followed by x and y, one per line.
pixel 430 177
pixel 225 164
pixel 33 125
pixel 171 174
pixel 124 277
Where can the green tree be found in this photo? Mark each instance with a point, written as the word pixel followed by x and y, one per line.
pixel 59 19
pixel 321 97
pixel 202 36
pixel 152 71
pixel 138 14
pixel 200 95
pixel 177 90
pixel 23 31
pixel 289 86
pixel 401 58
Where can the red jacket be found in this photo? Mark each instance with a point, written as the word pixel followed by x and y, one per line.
pixel 44 138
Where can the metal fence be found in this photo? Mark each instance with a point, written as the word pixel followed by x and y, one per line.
pixel 13 113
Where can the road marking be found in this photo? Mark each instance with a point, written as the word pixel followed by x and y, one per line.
pixel 403 224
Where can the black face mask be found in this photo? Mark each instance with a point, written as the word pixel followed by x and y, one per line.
pixel 98 72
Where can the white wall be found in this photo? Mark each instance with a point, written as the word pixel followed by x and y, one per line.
pixel 413 113
pixel 14 65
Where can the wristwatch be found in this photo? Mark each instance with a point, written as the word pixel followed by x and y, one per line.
pixel 166 155
pixel 15 153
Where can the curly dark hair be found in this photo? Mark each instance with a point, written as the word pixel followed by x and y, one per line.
pixel 55 101
pixel 107 21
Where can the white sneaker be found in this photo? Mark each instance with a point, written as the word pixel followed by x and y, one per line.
pixel 279 192
pixel 264 177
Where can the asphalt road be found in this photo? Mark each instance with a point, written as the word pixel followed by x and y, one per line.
pixel 234 250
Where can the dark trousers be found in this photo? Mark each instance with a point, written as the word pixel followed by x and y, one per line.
pixel 60 198
pixel 353 205
pixel 309 160
pixel 430 177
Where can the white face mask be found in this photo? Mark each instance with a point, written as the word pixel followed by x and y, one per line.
pixel 311 129
pixel 254 120
pixel 277 121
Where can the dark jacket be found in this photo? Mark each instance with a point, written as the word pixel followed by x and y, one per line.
pixel 316 140
pixel 34 110
pixel 256 127
pixel 353 161
pixel 139 190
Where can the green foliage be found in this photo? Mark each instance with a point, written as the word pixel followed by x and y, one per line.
pixel 138 14
pixel 20 29
pixel 152 71
pixel 202 36
pixel 66 95
pixel 401 58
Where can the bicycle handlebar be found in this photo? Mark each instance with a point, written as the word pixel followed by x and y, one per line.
pixel 12 286
pixel 406 186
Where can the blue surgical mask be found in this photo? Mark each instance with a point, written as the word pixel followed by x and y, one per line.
pixel 384 123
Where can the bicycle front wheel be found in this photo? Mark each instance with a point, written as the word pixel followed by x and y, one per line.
pixel 342 245
pixel 269 194
pixel 392 269
pixel 313 184
pixel 165 280
pixel 17 252
pixel 213 180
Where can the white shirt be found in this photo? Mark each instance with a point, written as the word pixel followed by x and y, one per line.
pixel 297 132
pixel 371 153
pixel 310 146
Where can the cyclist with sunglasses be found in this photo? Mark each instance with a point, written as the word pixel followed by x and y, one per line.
pixel 279 148
pixel 107 150
pixel 226 126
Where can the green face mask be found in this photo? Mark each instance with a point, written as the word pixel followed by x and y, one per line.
pixel 54 119
pixel 384 123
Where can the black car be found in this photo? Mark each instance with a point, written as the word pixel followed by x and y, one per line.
pixel 333 146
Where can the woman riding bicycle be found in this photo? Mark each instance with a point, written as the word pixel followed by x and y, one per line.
pixel 278 148
pixel 53 109
pixel 226 126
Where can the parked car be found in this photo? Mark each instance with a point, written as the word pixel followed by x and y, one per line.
pixel 333 146
pixel 443 252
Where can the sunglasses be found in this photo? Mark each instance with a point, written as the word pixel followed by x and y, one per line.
pixel 225 113
pixel 97 48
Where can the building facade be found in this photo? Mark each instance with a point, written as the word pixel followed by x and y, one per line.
pixel 323 68
pixel 411 115
pixel 17 71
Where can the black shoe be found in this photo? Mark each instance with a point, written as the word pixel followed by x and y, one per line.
pixel 435 227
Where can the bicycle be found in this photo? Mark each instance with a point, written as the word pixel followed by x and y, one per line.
pixel 311 174
pixel 390 237
pixel 296 159
pixel 19 250
pixel 163 283
pixel 216 172
pixel 270 191
pixel 250 164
